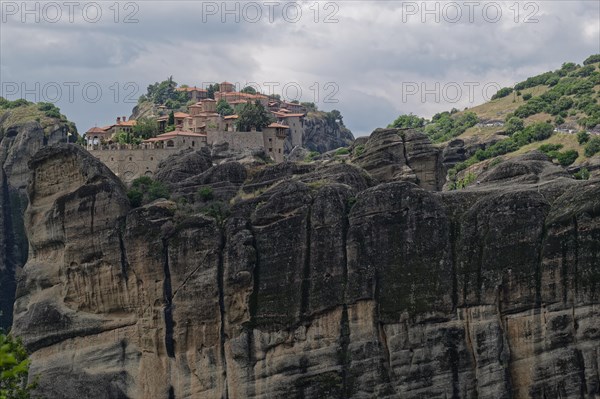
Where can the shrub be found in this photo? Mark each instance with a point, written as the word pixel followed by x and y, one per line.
pixel 592 147
pixel 559 120
pixel 513 125
pixel 342 151
pixel 144 189
pixel 311 156
pixel 503 92
pixel 359 150
pixel 135 197
pixel 583 137
pixel 567 158
pixel 547 148
pixel 410 121
pixel 527 96
pixel 14 369
pixel 592 59
pixel 464 182
pixel 205 193
pixel 583 174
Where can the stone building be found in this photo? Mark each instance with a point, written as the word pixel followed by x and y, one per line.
pixel 295 122
pixel 99 135
pixel 194 93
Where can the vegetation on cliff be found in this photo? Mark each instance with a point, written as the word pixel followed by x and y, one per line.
pixel 553 108
pixel 14 369
pixel 46 114
pixel 145 190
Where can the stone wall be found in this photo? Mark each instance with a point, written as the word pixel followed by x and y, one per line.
pixel 237 140
pixel 129 164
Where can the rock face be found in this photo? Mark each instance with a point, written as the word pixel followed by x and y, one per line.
pixel 322 135
pixel 18 142
pixel 402 154
pixel 319 282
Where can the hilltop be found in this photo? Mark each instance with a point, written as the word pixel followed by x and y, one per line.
pixel 557 112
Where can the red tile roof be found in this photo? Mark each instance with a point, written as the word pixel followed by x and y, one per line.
pixel 278 125
pixel 286 115
pixel 173 134
pixel 96 130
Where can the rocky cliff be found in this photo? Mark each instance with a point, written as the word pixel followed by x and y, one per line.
pixel 318 281
pixel 323 134
pixel 21 136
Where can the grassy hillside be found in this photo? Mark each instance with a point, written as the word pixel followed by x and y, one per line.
pixel 22 111
pixel 547 109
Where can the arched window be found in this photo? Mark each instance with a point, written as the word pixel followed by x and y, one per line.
pixel 170 143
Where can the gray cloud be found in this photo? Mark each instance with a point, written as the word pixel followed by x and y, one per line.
pixel 372 53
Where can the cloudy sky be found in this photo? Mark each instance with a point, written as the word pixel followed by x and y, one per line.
pixel 372 60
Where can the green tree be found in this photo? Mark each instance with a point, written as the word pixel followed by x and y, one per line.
pixel 592 147
pixel 212 89
pixel 583 137
pixel 310 107
pixel 248 90
pixel 171 121
pixel 592 59
pixel 146 128
pixel 408 121
pixel 337 116
pixel 583 174
pixel 252 116
pixel 144 189
pixel 567 158
pixel 527 96
pixel 513 125
pixel 14 369
pixel 503 92
pixel 223 108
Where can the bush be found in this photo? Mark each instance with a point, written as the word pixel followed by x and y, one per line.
pixel 444 126
pixel 144 189
pixel 135 197
pixel 547 148
pixel 559 120
pixel 527 96
pixel 513 125
pixel 205 193
pixel 503 92
pixel 359 150
pixel 410 121
pixel 583 174
pixel 342 151
pixel 592 59
pixel 311 156
pixel 592 147
pixel 583 137
pixel 14 369
pixel 567 158
pixel 464 182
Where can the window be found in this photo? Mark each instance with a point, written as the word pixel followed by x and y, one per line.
pixel 193 143
pixel 280 150
pixel 170 143
pixel 270 150
pixel 270 140
pixel 131 159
